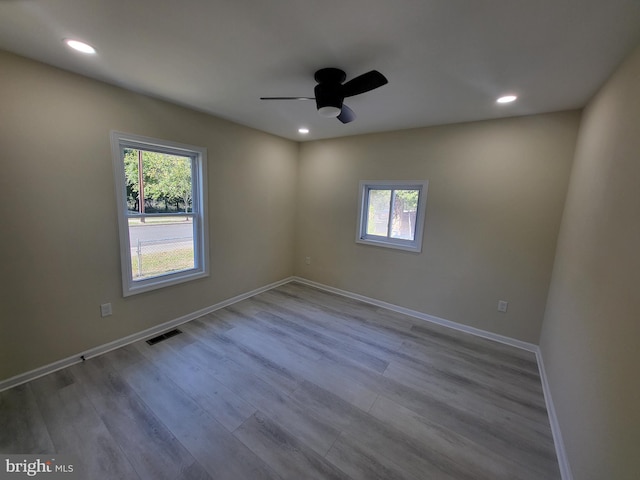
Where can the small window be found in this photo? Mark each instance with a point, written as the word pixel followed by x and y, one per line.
pixel 391 214
pixel 161 197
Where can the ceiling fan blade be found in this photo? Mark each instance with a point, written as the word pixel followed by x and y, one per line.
pixel 287 98
pixel 364 83
pixel 346 114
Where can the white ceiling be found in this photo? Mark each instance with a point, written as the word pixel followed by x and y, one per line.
pixel 446 60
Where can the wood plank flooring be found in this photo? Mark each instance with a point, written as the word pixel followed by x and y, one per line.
pixel 295 383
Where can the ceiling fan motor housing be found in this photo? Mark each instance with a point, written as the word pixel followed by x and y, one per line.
pixel 328 92
pixel 328 97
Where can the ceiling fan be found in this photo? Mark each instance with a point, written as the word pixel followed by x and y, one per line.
pixel 330 91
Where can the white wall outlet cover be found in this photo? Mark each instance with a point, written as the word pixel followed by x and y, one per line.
pixel 105 309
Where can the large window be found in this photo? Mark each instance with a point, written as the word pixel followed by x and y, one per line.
pixel 391 214
pixel 161 195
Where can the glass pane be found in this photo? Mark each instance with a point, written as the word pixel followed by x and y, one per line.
pixel 405 206
pixel 160 245
pixel 157 182
pixel 132 173
pixel 378 212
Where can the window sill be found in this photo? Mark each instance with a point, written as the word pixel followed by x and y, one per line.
pixel 154 283
pixel 384 243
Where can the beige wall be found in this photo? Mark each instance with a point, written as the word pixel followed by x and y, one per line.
pixel 59 241
pixel 496 192
pixel 591 331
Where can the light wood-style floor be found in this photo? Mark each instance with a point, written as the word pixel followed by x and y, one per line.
pixel 295 383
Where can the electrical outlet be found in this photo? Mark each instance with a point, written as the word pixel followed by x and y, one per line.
pixel 105 310
pixel 502 305
pixel 307 260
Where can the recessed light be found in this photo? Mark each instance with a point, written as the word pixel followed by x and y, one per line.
pixel 80 46
pixel 303 131
pixel 507 99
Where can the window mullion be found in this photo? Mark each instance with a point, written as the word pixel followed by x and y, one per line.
pixel 161 214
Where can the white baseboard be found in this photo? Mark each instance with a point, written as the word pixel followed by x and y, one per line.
pixel 563 461
pixel 150 332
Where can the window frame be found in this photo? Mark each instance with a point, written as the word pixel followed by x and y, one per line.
pixel 363 237
pixel 120 141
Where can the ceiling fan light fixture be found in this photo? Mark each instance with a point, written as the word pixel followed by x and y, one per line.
pixel 330 92
pixel 329 111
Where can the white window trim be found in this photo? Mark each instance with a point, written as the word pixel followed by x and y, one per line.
pixel 397 243
pixel 119 140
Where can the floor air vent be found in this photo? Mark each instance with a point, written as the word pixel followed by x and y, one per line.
pixel 164 336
